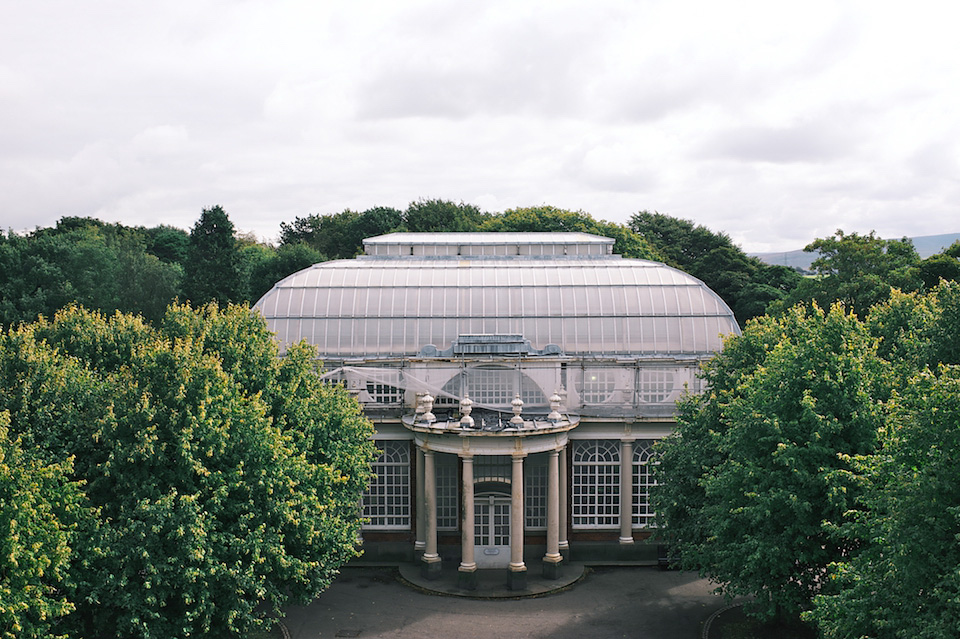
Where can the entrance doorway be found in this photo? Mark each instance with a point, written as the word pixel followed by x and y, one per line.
pixel 492 531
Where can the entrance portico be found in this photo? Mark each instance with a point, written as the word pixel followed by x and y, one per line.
pixel 492 519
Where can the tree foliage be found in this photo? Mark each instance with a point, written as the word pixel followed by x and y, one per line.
pixel 39 509
pixel 84 261
pixel 857 270
pixel 746 284
pixel 340 235
pixel 224 481
pixel 212 271
pixel 278 264
pixel 941 266
pixel 552 219
pixel 753 471
pixel 905 584
pixel 435 216
pixel 903 581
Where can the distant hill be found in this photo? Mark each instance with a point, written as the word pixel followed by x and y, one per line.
pixel 926 246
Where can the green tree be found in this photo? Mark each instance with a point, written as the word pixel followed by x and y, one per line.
pixel 376 221
pixel 941 266
pixel 746 284
pixel 254 256
pixel 226 480
pixel 341 235
pixel 748 483
pixel 168 243
pixel 436 216
pixel 212 271
pixel 39 508
pixel 857 270
pixel 905 582
pixel 286 260
pixel 85 261
pixel 553 219
pixel 335 235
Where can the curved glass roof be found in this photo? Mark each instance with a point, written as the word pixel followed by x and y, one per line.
pixel 393 304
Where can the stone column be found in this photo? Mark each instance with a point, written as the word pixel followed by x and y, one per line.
pixel 552 560
pixel 517 573
pixel 467 572
pixel 564 544
pixel 430 568
pixel 421 511
pixel 626 492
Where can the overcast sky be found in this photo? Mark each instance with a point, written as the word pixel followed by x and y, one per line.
pixel 774 122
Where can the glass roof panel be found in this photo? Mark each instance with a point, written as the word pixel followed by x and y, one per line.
pixel 328 302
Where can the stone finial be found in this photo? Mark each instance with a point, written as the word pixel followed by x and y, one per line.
pixel 428 415
pixel 555 401
pixel 420 408
pixel 517 420
pixel 466 407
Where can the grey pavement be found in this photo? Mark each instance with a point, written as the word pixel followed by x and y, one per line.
pixel 607 602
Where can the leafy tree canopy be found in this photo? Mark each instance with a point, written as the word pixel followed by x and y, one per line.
pixel 82 260
pixel 223 481
pixel 747 285
pixel 857 270
pixel 39 509
pixel 212 271
pixel 341 235
pixel 941 266
pixel 749 479
pixel 905 581
pixel 549 218
pixel 167 243
pixel 425 216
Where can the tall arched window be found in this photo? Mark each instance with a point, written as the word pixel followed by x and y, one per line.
pixel 596 484
pixel 387 501
pixel 643 459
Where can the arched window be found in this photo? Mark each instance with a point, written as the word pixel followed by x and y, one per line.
pixel 643 459
pixel 596 484
pixel 495 387
pixel 387 501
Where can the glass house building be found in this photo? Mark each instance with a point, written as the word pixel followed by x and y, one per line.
pixel 517 382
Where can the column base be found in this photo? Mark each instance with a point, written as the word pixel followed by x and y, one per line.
pixel 517 578
pixel 430 567
pixel 552 567
pixel 626 541
pixel 565 550
pixel 467 577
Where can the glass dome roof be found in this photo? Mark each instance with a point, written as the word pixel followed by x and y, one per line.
pixel 413 290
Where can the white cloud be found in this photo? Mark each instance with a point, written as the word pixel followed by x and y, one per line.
pixel 775 123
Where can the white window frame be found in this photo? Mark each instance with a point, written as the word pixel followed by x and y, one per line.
pixel 386 503
pixel 643 460
pixel 595 498
pixel 535 492
pixel 448 508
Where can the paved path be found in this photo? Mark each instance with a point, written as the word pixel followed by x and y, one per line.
pixel 639 603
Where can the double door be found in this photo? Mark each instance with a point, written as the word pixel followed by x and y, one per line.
pixel 491 524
